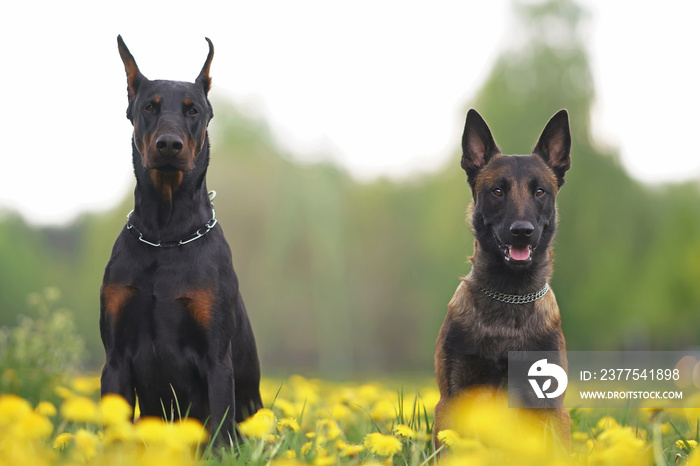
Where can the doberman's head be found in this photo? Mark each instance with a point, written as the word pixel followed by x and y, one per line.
pixel 170 119
pixel 514 213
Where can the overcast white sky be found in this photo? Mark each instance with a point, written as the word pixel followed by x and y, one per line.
pixel 380 86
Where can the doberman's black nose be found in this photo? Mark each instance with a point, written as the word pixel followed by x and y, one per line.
pixel 521 228
pixel 169 145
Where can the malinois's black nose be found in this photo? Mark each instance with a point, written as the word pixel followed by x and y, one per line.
pixel 521 228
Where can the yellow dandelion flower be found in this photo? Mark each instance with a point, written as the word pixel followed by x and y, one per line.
pixel 114 409
pixel 666 428
pixel 62 440
pixel 323 460
pixel 304 390
pixel 329 428
pixel 607 422
pixel 119 432
pixel 340 443
pixel 12 407
pixel 484 414
pixel 693 458
pixel 590 445
pixel 430 399
pixel 306 448
pixel 470 446
pixel 264 414
pixel 383 410
pixel 161 456
pixel 448 437
pixel 402 430
pixel 46 408
pixel 345 395
pixel 580 439
pixel 64 392
pixel 32 426
pixel 189 432
pixel 618 435
pixel 620 446
pixel 288 423
pixel 259 425
pixel 287 408
pixel 340 412
pixel 152 430
pixel 683 444
pixel 318 451
pixel 348 450
pixel 369 393
pixel 86 385
pixel 382 445
pixel 86 444
pixel 287 461
pixel 80 409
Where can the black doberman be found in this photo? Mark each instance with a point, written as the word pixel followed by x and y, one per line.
pixel 172 319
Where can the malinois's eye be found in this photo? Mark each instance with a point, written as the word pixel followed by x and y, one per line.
pixel 539 192
pixel 498 192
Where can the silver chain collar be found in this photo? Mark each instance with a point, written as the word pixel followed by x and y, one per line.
pixel 169 244
pixel 514 298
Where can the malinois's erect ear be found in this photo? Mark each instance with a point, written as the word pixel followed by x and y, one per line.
pixel 554 145
pixel 478 145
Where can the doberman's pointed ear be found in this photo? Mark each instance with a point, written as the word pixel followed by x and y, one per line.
pixel 478 145
pixel 134 77
pixel 554 145
pixel 203 77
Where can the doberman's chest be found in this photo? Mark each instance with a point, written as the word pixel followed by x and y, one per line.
pixel 166 294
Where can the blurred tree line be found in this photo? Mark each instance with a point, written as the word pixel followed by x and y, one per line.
pixel 341 276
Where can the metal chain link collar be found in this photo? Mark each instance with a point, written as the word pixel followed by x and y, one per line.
pixel 514 298
pixel 169 244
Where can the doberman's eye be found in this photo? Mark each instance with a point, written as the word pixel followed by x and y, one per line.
pixel 540 192
pixel 150 108
pixel 192 111
pixel 498 192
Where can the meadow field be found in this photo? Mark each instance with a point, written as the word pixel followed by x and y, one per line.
pixel 51 414
pixel 321 422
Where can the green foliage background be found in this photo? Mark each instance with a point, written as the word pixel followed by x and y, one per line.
pixel 341 276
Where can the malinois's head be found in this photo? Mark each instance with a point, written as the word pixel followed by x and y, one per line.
pixel 514 213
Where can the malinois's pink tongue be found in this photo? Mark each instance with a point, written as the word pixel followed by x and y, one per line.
pixel 520 253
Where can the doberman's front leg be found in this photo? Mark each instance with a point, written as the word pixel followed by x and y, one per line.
pixel 222 405
pixel 117 379
pixel 116 374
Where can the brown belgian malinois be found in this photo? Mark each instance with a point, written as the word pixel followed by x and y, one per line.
pixel 505 303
